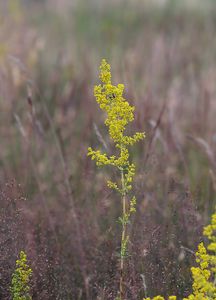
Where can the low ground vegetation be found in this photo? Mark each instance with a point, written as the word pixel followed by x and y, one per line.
pixel 55 204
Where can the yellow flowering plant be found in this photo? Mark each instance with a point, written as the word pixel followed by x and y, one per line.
pixel 20 289
pixel 119 114
pixel 204 276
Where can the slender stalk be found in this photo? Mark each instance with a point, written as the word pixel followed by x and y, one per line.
pixel 123 237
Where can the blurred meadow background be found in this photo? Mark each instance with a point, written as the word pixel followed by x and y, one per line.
pixel 54 202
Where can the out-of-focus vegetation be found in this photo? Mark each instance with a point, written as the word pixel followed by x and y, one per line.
pixel 164 52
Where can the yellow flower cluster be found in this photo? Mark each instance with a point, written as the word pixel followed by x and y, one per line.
pixel 20 279
pixel 210 233
pixel 119 114
pixel 161 298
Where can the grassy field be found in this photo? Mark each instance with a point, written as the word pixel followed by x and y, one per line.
pixel 55 203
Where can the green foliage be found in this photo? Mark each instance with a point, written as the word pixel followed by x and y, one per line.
pixel 20 289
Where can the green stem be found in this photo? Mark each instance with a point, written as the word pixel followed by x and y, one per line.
pixel 123 237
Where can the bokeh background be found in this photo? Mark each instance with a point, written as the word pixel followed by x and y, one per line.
pixel 54 203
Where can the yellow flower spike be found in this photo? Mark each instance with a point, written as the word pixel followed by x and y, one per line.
pixel 105 75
